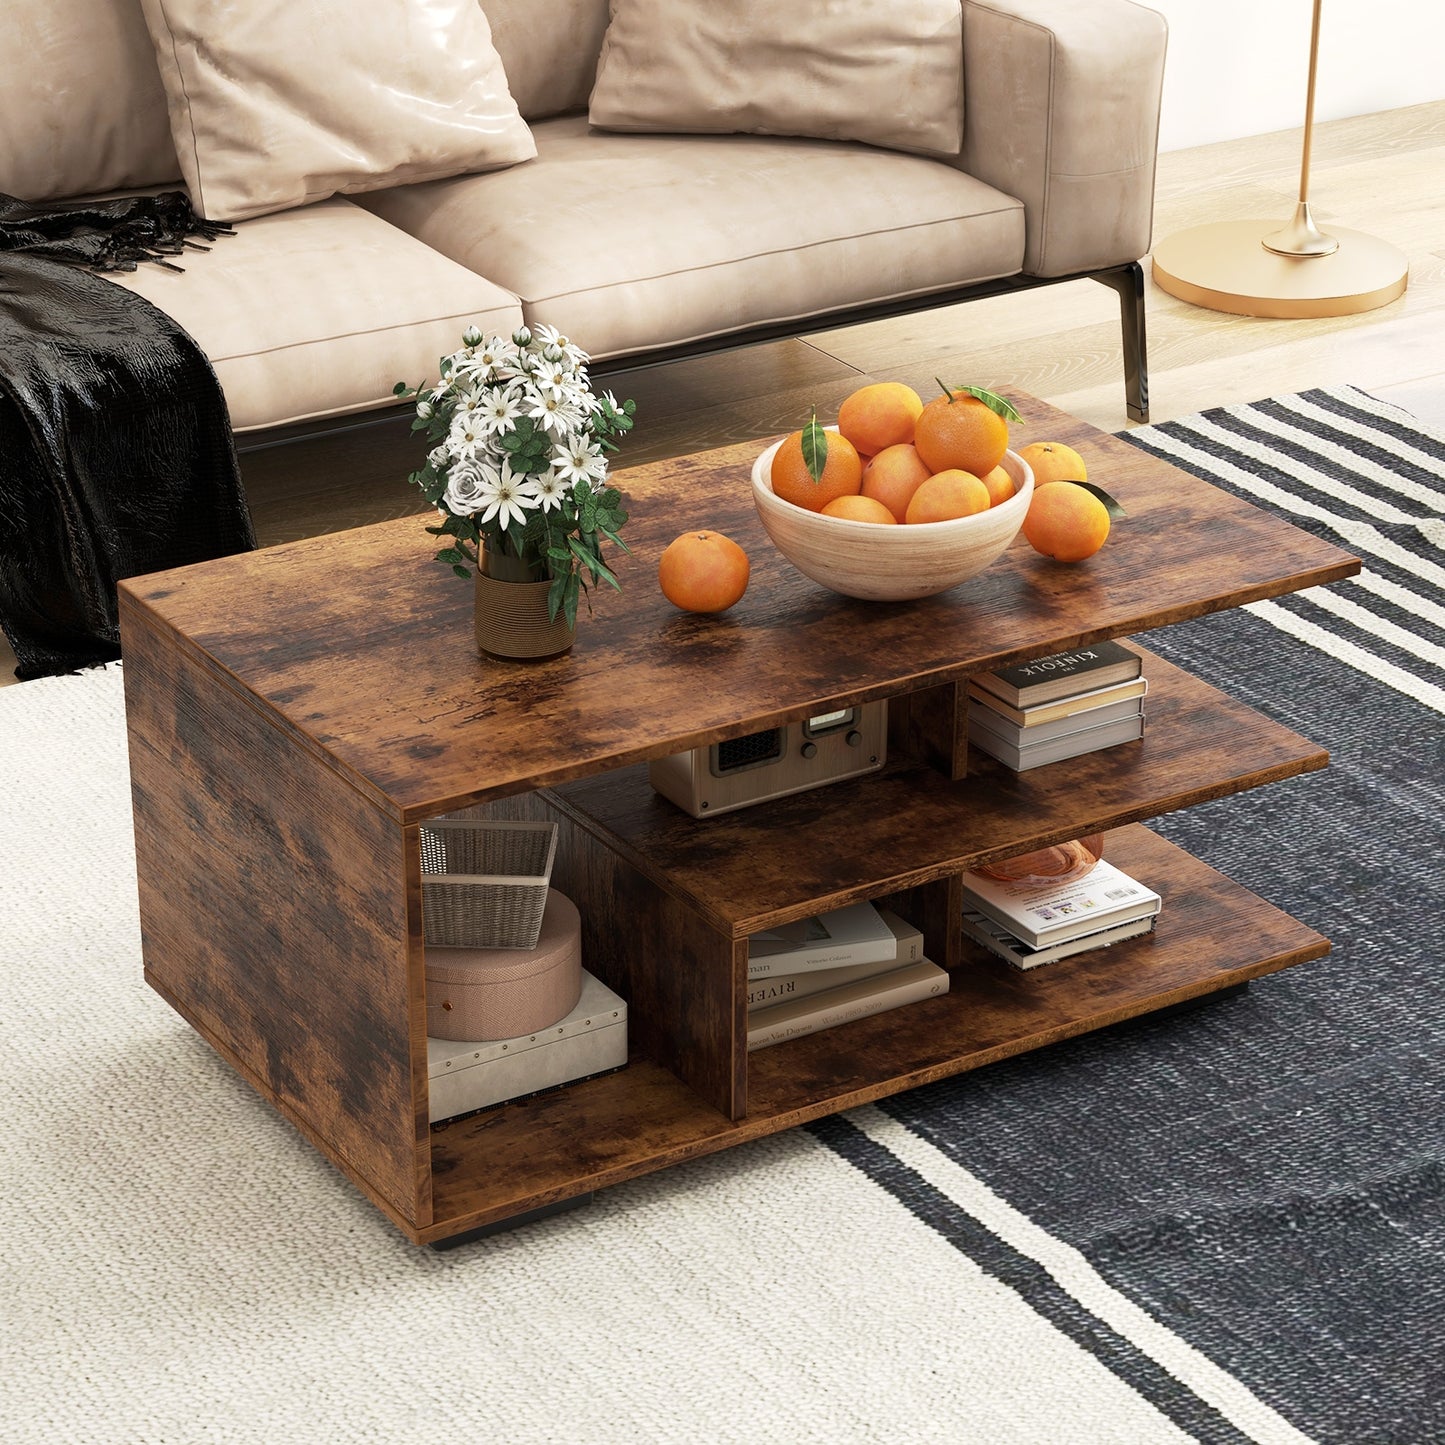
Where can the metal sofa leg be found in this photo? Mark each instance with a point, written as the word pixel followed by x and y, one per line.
pixel 1128 281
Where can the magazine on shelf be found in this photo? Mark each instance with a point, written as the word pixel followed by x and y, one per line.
pixel 908 984
pixel 997 939
pixel 855 934
pixel 1046 712
pixel 1041 914
pixel 779 987
pixel 1063 674
pixel 1053 750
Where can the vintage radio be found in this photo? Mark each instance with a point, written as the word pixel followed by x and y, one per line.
pixel 770 764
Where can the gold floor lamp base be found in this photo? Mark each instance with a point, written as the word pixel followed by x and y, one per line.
pixel 1225 267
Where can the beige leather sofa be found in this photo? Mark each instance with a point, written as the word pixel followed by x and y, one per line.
pixel 636 245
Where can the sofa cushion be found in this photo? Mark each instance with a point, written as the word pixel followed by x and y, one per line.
pixel 629 243
pixel 548 79
pixel 274 106
pixel 890 74
pixel 321 311
pixel 81 104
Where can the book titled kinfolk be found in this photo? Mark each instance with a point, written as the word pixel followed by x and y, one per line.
pixel 779 987
pixel 1040 713
pixel 1015 951
pixel 1045 678
pixel 898 986
pixel 856 934
pixel 1042 914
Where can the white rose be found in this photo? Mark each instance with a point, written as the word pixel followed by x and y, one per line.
pixel 465 489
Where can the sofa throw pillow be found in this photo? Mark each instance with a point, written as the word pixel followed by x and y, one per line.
pixel 889 72
pixel 274 104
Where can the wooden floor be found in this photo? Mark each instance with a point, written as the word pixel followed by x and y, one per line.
pixel 1378 174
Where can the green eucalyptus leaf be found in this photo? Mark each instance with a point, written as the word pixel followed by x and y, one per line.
pixel 815 448
pixel 462 571
pixel 999 405
pixel 1114 507
pixel 452 554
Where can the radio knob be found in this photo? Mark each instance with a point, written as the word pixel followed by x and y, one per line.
pixel 854 738
pixel 810 750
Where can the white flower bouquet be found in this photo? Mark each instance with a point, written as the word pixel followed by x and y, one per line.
pixel 518 461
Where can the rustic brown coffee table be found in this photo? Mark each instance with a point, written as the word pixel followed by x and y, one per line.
pixel 296 713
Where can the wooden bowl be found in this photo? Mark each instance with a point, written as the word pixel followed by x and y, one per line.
pixel 890 564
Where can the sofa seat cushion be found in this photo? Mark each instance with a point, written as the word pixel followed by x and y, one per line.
pixel 320 311
pixel 629 243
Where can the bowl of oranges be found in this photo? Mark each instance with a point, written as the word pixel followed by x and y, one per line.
pixel 900 499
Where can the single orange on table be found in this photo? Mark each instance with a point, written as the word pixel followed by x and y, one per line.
pixel 893 476
pixel 957 431
pixel 703 572
pixel 860 509
pixel 946 496
pixel 879 415
pixel 1066 522
pixel 1054 462
pixel 842 472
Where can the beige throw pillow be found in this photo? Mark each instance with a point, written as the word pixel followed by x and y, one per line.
pixel 274 103
pixel 889 72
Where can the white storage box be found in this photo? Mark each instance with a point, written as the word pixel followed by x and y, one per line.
pixel 592 1039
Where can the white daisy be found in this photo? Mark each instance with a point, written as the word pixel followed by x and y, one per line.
pixel 578 460
pixel 555 414
pixel 505 496
pixel 500 407
pixel 467 435
pixel 552 489
pixel 571 352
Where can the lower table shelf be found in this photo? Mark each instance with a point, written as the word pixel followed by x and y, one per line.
pixel 1212 933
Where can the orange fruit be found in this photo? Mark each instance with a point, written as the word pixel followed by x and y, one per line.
pixel 703 572
pixel 842 473
pixel 879 415
pixel 1066 522
pixel 1000 486
pixel 958 431
pixel 860 509
pixel 1054 462
pixel 893 476
pixel 946 496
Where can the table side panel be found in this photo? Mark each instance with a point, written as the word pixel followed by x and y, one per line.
pixel 275 913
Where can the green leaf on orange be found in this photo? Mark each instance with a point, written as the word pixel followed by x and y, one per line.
pixel 815 448
pixel 1000 405
pixel 1111 504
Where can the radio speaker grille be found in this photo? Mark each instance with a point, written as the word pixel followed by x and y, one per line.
pixel 760 747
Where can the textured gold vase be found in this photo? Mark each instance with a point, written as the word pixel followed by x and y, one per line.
pixel 511 615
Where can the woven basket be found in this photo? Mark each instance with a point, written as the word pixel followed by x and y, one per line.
pixel 484 884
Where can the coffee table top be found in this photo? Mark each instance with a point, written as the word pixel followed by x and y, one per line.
pixel 362 646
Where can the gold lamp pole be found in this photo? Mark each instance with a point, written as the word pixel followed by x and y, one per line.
pixel 1294 270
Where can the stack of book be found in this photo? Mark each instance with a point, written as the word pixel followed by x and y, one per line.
pixel 836 966
pixel 1028 924
pixel 1058 707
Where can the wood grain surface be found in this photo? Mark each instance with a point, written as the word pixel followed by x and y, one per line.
pixel 276 916
pixel 363 646
pixel 1211 934
pixel 785 859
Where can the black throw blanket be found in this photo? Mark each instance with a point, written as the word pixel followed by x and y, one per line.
pixel 116 453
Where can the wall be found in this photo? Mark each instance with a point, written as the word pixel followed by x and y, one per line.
pixel 1240 67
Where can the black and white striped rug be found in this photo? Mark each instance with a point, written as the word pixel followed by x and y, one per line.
pixel 1223 1226
pixel 1240 1209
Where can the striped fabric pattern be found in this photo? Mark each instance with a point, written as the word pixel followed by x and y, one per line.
pixel 1365 475
pixel 1242 1211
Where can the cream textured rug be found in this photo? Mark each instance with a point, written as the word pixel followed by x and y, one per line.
pixel 180 1266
